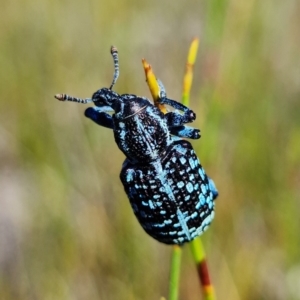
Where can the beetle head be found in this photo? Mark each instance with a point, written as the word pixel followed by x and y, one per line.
pixel 105 97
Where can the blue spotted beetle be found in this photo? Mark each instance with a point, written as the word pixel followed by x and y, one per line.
pixel 169 192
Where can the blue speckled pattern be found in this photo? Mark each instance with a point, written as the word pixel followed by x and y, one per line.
pixel 171 197
pixel 169 192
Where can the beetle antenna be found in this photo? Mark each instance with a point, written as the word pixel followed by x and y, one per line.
pixel 114 53
pixel 65 97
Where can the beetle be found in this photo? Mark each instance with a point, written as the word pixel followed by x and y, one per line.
pixel 168 189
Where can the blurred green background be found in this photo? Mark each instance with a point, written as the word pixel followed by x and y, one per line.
pixel 66 228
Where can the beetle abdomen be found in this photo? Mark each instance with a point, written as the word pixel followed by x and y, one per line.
pixel 172 197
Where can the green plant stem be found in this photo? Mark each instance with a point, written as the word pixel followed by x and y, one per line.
pixel 185 100
pixel 174 272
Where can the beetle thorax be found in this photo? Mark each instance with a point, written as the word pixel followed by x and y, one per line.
pixel 143 135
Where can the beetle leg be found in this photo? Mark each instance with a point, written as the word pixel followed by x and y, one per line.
pixel 175 118
pixel 185 132
pixel 213 188
pixel 99 116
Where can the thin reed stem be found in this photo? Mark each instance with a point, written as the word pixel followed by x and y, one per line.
pixel 175 272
